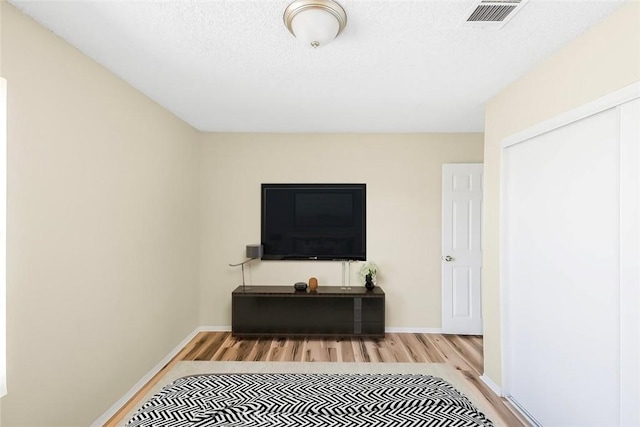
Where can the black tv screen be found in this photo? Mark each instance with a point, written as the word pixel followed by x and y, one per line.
pixel 314 221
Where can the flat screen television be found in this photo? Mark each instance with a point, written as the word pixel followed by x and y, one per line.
pixel 314 221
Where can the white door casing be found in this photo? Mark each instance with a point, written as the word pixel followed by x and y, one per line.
pixel 462 248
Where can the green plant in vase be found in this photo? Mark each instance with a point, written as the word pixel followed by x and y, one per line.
pixel 368 274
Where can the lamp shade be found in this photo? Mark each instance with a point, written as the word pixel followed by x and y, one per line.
pixel 254 251
pixel 315 26
pixel 315 22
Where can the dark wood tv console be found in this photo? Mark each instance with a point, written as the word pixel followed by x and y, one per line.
pixel 329 311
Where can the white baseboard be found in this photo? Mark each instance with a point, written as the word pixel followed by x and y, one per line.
pixel 214 329
pixel 144 380
pixel 388 330
pixel 498 391
pixel 413 330
pixel 493 386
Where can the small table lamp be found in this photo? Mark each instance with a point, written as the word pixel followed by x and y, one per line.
pixel 253 252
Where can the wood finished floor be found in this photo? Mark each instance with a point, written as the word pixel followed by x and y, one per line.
pixel 462 352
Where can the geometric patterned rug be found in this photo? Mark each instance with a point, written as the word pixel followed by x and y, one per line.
pixel 326 399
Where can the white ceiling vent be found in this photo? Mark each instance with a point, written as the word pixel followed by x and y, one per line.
pixel 492 13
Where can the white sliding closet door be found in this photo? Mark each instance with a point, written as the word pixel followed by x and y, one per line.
pixel 561 272
pixel 630 263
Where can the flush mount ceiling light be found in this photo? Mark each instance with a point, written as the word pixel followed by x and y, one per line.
pixel 315 22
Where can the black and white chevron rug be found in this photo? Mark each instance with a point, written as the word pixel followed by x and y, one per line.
pixel 309 400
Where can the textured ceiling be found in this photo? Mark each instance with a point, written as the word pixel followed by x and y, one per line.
pixel 399 66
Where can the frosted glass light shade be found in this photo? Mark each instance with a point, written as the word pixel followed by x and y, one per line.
pixel 315 22
pixel 315 26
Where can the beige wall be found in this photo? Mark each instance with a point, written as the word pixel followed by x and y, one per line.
pixel 602 60
pixel 102 240
pixel 403 177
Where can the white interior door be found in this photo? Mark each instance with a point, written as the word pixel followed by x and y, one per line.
pixel 462 248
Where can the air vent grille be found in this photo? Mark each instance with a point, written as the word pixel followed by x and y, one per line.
pixel 493 13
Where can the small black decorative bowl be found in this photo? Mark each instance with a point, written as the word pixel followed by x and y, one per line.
pixel 300 286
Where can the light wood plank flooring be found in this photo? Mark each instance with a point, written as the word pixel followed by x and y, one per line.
pixel 464 353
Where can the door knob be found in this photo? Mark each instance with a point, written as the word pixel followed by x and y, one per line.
pixel 448 258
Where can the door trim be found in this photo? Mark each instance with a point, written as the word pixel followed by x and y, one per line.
pixel 611 100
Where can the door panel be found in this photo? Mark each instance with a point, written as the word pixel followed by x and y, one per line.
pixel 461 292
pixel 461 248
pixel 561 271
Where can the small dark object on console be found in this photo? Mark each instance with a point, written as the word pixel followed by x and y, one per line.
pixel 300 286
